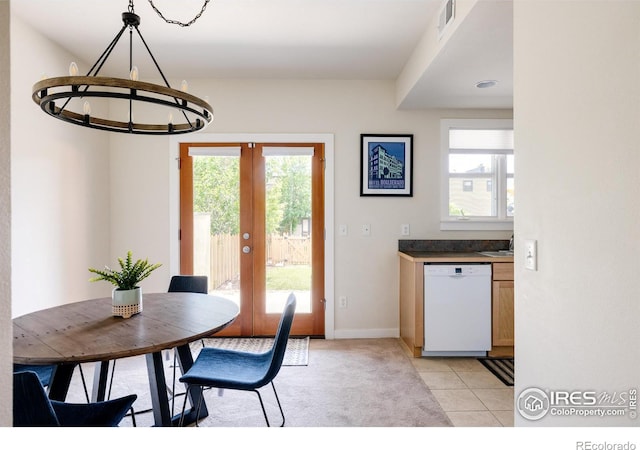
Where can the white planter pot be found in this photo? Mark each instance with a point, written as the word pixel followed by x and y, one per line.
pixel 126 303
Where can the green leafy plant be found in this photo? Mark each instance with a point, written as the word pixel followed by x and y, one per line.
pixel 130 275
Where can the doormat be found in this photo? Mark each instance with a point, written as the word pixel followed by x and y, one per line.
pixel 503 368
pixel 296 354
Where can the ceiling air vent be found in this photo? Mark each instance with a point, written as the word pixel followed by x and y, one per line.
pixel 446 16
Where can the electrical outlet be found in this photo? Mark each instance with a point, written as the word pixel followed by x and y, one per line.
pixel 342 301
pixel 531 254
pixel 366 230
pixel 404 229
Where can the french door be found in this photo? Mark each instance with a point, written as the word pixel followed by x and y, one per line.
pixel 252 220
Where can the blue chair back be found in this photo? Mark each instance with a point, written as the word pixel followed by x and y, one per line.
pixel 31 406
pixel 189 283
pixel 281 338
pixel 45 373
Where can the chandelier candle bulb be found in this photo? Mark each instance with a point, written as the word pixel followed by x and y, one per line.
pixel 73 69
pixel 133 75
pixel 184 86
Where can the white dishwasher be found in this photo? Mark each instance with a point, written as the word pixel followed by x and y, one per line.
pixel 457 309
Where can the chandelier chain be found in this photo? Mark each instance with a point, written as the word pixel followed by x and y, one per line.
pixel 177 22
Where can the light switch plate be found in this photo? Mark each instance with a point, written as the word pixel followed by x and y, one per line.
pixel 366 230
pixel 343 230
pixel 531 254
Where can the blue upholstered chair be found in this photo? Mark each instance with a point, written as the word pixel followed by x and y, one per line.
pixel 32 407
pixel 230 369
pixel 189 283
pixel 198 284
pixel 46 372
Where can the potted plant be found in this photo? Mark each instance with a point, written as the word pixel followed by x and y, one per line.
pixel 127 295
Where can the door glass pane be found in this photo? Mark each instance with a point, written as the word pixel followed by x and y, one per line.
pixel 288 231
pixel 216 223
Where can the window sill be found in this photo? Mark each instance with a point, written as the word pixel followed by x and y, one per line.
pixel 476 225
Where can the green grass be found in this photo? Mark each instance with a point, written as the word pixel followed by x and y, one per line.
pixel 289 278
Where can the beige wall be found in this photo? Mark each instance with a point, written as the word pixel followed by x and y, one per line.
pixel 5 219
pixel 60 188
pixel 577 110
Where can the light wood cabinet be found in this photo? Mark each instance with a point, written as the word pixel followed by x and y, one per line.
pixel 412 305
pixel 502 342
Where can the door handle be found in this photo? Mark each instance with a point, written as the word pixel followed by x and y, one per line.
pixel 246 249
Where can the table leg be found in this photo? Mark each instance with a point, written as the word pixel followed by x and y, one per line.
pixel 100 376
pixel 60 381
pixel 158 388
pixel 185 359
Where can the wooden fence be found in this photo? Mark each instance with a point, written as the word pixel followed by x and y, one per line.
pixel 281 251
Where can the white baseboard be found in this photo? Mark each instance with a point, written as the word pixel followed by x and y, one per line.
pixel 367 333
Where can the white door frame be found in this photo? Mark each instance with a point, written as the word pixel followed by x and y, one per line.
pixel 174 200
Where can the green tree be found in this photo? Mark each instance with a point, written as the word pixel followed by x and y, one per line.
pixel 296 191
pixel 273 201
pixel 216 191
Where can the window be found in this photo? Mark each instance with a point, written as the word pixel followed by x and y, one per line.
pixel 479 151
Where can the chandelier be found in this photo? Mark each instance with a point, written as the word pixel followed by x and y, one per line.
pixel 69 98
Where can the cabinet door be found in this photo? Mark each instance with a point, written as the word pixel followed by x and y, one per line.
pixel 503 318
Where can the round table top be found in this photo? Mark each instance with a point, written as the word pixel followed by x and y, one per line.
pixel 87 331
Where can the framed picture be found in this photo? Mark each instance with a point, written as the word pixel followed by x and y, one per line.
pixel 386 165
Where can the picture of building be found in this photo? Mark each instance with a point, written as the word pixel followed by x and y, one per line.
pixel 385 169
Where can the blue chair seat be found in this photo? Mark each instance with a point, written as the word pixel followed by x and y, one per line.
pixel 229 369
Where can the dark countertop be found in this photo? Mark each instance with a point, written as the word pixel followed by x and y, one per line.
pixel 452 250
pixel 452 245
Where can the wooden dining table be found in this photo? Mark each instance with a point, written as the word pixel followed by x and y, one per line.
pixel 86 331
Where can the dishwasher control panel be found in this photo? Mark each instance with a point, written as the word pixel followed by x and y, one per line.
pixel 457 269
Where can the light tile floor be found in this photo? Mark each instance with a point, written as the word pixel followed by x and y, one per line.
pixel 469 394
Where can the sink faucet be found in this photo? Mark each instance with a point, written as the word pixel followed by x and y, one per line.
pixel 511 244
